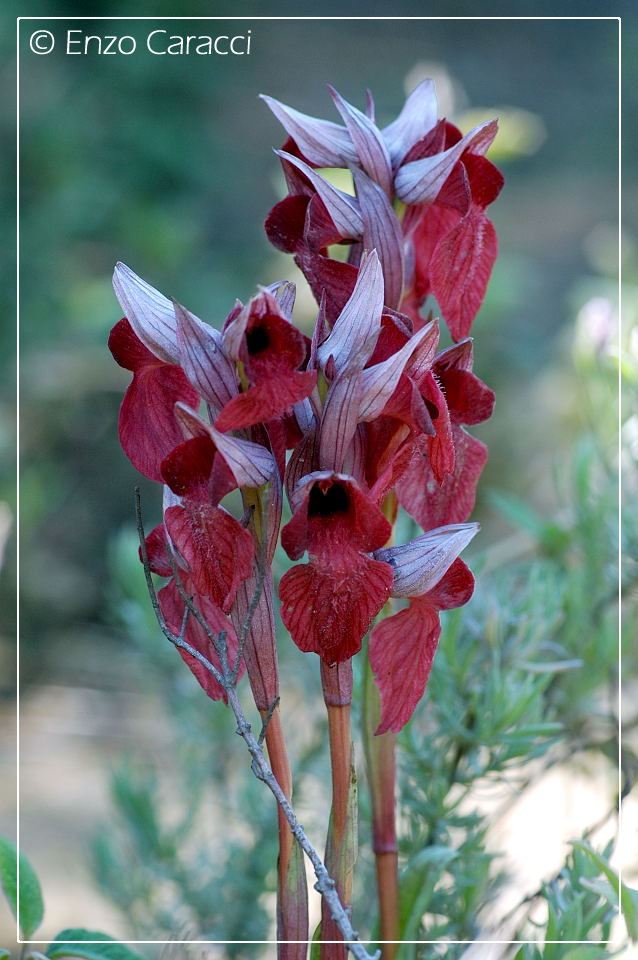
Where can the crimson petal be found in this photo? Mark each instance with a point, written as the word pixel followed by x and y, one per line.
pixel 401 652
pixel 285 223
pixel 441 446
pixel 217 549
pixel 486 180
pixel 402 647
pixel 157 552
pixel 469 400
pixel 334 278
pixel 460 269
pixel 331 508
pixel 319 229
pixel 452 501
pixel 421 180
pixel 267 399
pixel 148 429
pixel 425 232
pixel 172 607
pixel 329 605
pixel 455 588
pixel 194 470
pixel 189 465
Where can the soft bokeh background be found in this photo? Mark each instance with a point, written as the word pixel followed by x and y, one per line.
pixel 165 163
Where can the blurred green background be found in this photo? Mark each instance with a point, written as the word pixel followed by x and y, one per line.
pixel 166 163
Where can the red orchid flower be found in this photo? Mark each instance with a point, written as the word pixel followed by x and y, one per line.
pixel 270 350
pixel 402 646
pixel 444 244
pixel 329 603
pixel 172 606
pixel 217 550
pixel 373 411
pixel 176 359
pixel 434 500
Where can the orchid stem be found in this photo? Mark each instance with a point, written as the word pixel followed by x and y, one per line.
pixel 292 905
pixel 337 691
pixel 381 769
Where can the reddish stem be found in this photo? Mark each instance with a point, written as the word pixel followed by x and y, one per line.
pixel 260 656
pixel 381 763
pixel 387 868
pixel 292 903
pixel 381 766
pixel 337 691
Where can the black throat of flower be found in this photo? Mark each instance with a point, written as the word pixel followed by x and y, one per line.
pixel 257 340
pixel 326 503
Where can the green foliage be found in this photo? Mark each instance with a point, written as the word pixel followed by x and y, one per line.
pixel 32 912
pixel 552 538
pixel 161 878
pixel 31 904
pixel 106 949
pixel 315 946
pixel 579 907
pixel 611 888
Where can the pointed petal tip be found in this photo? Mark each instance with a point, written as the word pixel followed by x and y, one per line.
pixel 120 270
pixel 336 96
pixel 270 102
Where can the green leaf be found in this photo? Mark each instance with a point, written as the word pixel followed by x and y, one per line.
pixel 628 896
pixel 528 952
pixel 293 891
pixel 106 949
pixel 416 889
pixel 588 951
pixel 519 513
pixel 602 888
pixel 435 853
pixel 4 954
pixel 31 905
pixel 551 537
pixel 552 666
pixel 341 852
pixel 315 948
pixel 532 732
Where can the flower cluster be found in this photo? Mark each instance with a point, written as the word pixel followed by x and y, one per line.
pixel 365 415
